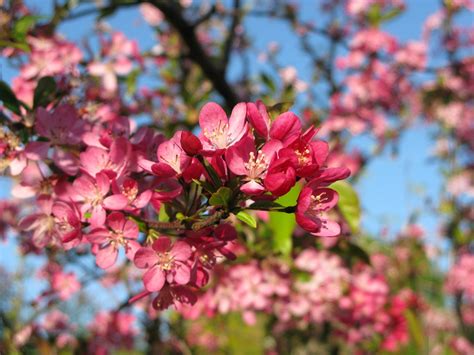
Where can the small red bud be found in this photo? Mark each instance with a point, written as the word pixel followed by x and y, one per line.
pixel 190 143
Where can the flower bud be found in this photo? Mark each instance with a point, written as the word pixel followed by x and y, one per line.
pixel 190 143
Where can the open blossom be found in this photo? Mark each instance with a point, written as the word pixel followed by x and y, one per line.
pixel 313 203
pixel 113 162
pixel 172 159
pixel 118 52
pixel 218 131
pixel 165 262
pixel 244 160
pixel 92 194
pixel 121 232
pixel 65 284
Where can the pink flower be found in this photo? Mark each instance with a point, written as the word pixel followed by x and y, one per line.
pixel 65 285
pixel 113 162
pixel 68 222
pixel 172 159
pixel 130 189
pixel 243 160
pixel 92 193
pixel 60 126
pixel 42 223
pixel 120 232
pixel 286 127
pixel 118 52
pixel 219 132
pixel 310 211
pixel 165 263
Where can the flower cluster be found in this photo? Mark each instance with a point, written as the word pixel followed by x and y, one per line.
pixel 100 183
pixel 358 301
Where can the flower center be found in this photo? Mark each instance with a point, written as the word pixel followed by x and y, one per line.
pixel 256 165
pixel 219 136
pixel 166 261
pixel 304 156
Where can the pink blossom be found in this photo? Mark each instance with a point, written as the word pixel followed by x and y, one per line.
pixel 218 131
pixel 92 194
pixel 121 232
pixel 172 159
pixel 65 285
pixel 310 211
pixel 244 160
pixel 165 262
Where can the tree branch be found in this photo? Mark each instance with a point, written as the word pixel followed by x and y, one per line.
pixel 231 35
pixel 173 14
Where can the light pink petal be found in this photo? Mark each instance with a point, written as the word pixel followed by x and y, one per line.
pixel 130 230
pixel 84 186
pixel 271 148
pixel 237 156
pixel 131 249
pixel 96 68
pixel 98 216
pixel 145 258
pixel 182 274
pixel 181 251
pixel 109 80
pixel 252 188
pixel 103 183
pixel 328 229
pixel 122 66
pixel 237 122
pixel 115 202
pixel 211 116
pixel 106 257
pixel 154 279
pixel 98 236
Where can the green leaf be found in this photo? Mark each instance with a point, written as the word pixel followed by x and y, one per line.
pixel 279 108
pixel 348 204
pixel 18 45
pixel 283 224
pixel 268 82
pixel 22 26
pixel 87 215
pixel 7 96
pixel 221 197
pixel 45 92
pixel 247 219
pixel 416 331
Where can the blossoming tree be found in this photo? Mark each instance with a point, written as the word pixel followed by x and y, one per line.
pixel 184 208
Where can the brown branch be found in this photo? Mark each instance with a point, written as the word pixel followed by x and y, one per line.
pixel 231 35
pixel 173 13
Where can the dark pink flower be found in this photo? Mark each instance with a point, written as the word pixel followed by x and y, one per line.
pixel 244 160
pixel 121 232
pixel 190 143
pixel 165 263
pixel 281 175
pixel 218 131
pixel 310 211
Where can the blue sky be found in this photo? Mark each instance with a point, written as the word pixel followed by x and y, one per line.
pixel 391 189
